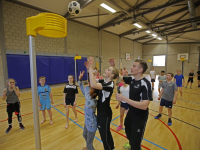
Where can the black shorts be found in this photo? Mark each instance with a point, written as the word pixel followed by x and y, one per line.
pixel 190 80
pixel 152 80
pixel 13 107
pixel 125 105
pixel 70 101
pixel 166 103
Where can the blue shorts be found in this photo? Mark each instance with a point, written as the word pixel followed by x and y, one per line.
pixel 179 84
pixel 166 103
pixel 45 106
pixel 125 105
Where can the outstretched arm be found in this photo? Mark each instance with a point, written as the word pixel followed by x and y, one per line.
pixel 93 82
pixel 80 82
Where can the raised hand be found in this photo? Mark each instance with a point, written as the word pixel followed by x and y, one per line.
pixel 86 64
pixel 90 62
pixel 81 75
pixel 112 62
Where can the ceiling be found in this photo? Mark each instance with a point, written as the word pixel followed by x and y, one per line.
pixel 168 19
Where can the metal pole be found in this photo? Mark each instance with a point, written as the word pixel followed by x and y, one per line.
pixel 75 73
pixel 3 47
pixel 182 67
pixel 34 91
pixel 99 42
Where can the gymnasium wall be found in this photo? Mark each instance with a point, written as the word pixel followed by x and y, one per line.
pixel 1 73
pixel 82 40
pixel 126 47
pixel 137 50
pixel 171 51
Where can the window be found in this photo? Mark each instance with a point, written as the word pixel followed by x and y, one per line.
pixel 159 60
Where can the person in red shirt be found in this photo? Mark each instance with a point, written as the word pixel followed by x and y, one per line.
pixel 97 75
pixel 125 72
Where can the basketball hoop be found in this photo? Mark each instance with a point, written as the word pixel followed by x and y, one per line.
pixel 182 59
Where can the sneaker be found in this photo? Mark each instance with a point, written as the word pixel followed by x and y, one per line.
pixel 169 122
pixel 21 126
pixel 186 87
pixel 127 145
pixel 8 129
pixel 158 116
pixel 199 86
pixel 191 87
pixel 119 128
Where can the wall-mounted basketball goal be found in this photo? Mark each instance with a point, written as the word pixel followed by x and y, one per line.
pixel 182 57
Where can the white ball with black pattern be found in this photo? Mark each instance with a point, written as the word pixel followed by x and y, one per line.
pixel 74 8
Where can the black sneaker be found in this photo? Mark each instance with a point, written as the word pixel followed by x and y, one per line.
pixel 8 129
pixel 21 127
pixel 157 117
pixel 169 122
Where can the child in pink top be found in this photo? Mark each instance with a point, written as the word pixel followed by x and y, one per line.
pixel 97 75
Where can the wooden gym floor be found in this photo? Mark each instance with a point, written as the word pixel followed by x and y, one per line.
pixel 183 134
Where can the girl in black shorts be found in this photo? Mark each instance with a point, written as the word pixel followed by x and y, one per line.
pixel 70 97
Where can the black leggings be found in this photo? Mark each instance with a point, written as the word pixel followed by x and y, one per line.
pixel 103 124
pixel 135 130
pixel 15 107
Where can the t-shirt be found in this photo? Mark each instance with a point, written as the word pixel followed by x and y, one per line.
pixel 98 77
pixel 162 78
pixel 104 96
pixel 179 78
pixel 153 74
pixel 125 72
pixel 168 90
pixel 43 92
pixel 139 90
pixel 11 97
pixel 71 90
pixel 191 74
pixel 124 91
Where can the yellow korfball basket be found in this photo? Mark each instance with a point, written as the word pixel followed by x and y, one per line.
pixel 182 59
pixel 47 24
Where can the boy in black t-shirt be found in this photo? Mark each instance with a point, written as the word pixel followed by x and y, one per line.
pixel 198 77
pixel 140 95
pixel 190 78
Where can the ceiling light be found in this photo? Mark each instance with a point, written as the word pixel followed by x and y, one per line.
pixel 154 35
pixel 108 8
pixel 137 25
pixel 148 31
pixel 159 38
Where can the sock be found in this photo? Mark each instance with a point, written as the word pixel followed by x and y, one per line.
pixel 169 120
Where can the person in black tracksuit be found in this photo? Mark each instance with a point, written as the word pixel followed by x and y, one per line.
pixel 140 95
pixel 104 112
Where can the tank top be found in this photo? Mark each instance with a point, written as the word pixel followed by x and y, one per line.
pixel 11 97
